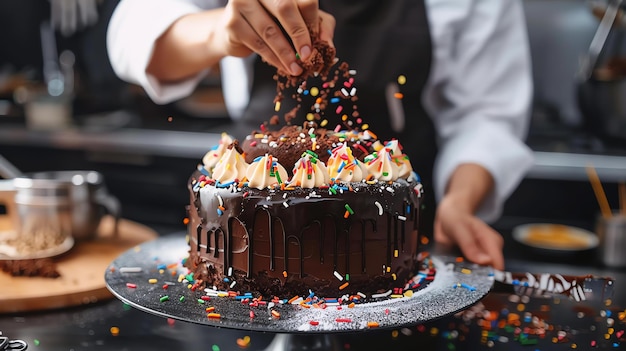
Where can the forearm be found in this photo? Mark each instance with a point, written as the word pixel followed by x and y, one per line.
pixel 468 186
pixel 186 47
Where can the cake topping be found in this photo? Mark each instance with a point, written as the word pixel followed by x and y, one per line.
pixel 381 165
pixel 342 165
pixel 210 158
pixel 231 165
pixel 265 171
pixel 309 172
pixel 401 159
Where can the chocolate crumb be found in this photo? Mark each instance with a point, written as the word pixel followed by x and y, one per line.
pixel 43 267
pixel 235 144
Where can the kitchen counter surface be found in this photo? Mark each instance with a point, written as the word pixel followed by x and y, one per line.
pixel 546 322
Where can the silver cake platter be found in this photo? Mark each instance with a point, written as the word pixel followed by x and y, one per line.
pixel 147 278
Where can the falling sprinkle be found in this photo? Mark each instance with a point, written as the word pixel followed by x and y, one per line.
pixel 338 276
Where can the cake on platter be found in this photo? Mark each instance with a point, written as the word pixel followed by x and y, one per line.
pixel 300 209
pixel 343 220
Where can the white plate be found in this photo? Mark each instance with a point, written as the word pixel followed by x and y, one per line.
pixel 558 237
pixel 8 252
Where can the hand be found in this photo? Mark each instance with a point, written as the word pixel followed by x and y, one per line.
pixel 478 242
pixel 257 26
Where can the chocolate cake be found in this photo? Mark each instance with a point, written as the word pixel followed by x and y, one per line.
pixel 301 209
pixel 342 221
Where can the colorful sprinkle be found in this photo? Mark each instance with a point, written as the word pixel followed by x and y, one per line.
pixel 130 270
pixel 243 342
pixel 372 324
pixel 338 276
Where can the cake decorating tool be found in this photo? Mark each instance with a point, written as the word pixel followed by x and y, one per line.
pixel 575 287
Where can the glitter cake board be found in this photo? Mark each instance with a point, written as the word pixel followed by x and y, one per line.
pixel 156 290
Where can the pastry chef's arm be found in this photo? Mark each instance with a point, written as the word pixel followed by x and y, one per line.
pixel 199 39
pixel 242 27
pixel 173 42
pixel 482 117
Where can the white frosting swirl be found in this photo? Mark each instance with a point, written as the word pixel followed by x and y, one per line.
pixel 401 159
pixel 381 166
pixel 342 165
pixel 211 158
pixel 265 171
pixel 309 172
pixel 230 167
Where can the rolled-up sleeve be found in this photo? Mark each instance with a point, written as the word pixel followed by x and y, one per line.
pixel 479 93
pixel 133 29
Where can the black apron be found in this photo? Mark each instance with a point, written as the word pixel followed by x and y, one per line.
pixel 381 40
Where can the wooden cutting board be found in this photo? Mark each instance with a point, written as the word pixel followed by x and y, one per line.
pixel 82 271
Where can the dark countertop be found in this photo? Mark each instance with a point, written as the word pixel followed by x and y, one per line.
pixel 568 324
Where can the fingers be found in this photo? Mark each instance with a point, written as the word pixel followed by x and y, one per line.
pixel 265 37
pixel 309 10
pixel 490 242
pixel 439 234
pixel 327 27
pixel 478 242
pixel 287 14
pixel 465 237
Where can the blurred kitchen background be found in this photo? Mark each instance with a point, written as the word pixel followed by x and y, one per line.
pixel 63 108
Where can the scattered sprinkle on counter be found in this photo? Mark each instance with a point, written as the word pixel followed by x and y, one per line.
pixel 243 342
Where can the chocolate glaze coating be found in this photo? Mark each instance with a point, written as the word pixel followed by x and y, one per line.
pixel 285 242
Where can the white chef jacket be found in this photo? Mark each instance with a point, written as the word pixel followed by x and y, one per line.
pixel 479 105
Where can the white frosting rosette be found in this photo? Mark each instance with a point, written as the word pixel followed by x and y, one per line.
pixel 265 171
pixel 230 167
pixel 342 165
pixel 211 158
pixel 401 159
pixel 309 172
pixel 381 165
